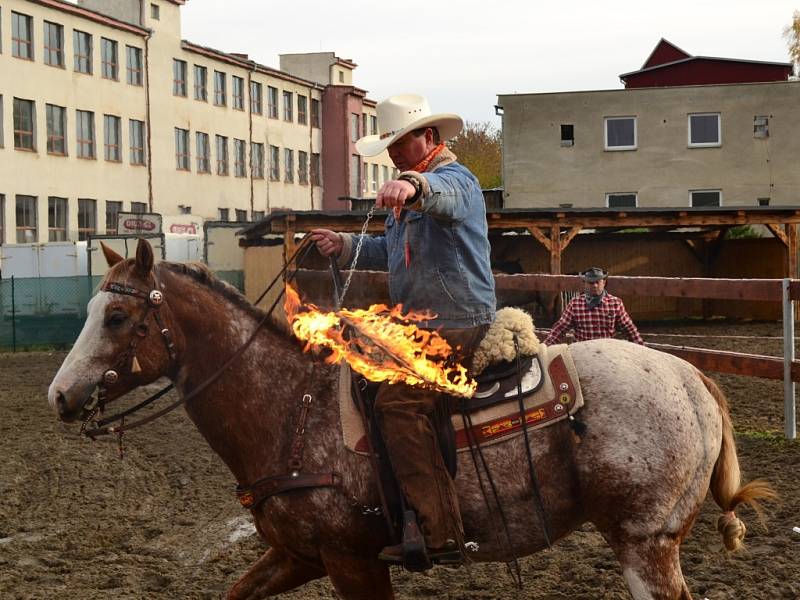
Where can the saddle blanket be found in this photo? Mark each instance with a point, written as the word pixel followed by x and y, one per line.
pixel 554 393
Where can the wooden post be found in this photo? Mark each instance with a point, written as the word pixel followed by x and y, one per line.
pixel 555 249
pixel 791 237
pixel 289 246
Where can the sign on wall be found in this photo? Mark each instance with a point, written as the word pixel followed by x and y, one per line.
pixel 133 223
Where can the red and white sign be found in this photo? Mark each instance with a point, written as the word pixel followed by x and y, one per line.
pixel 139 223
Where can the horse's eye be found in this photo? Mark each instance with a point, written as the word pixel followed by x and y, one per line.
pixel 116 319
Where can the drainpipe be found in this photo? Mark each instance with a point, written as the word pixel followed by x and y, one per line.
pixel 310 158
pixel 250 135
pixel 149 157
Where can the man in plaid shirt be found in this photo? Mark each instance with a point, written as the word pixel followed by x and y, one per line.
pixel 594 314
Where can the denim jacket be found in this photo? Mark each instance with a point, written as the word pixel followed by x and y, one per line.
pixel 449 272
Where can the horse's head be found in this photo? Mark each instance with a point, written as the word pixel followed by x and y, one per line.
pixel 126 341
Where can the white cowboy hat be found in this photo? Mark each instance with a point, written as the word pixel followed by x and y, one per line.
pixel 397 115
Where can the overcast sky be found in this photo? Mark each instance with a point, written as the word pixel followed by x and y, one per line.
pixel 462 53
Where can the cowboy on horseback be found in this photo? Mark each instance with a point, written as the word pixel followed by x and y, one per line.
pixel 436 248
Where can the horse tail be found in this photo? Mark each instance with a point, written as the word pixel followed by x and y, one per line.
pixel 726 482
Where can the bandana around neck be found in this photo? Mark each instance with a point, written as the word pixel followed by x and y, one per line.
pixel 594 301
pixel 423 165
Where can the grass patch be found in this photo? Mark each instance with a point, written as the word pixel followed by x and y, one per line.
pixel 772 437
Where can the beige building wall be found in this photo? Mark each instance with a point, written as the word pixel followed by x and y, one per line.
pixel 539 171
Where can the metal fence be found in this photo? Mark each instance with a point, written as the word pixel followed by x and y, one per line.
pixel 41 312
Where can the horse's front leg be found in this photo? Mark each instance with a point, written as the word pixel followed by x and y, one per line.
pixel 357 577
pixel 273 573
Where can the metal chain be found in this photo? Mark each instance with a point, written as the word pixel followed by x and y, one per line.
pixel 355 258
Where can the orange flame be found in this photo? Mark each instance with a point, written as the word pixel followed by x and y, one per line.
pixel 380 343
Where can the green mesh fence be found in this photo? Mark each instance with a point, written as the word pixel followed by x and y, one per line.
pixel 50 311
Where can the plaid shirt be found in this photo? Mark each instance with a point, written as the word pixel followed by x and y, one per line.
pixel 599 322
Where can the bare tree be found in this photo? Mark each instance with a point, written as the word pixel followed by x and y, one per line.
pixel 792 35
pixel 478 148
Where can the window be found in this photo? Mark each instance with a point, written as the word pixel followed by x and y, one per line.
pixel 138 208
pixel 622 200
pixel 26 220
pixel 21 36
pixel 567 135
pixel 341 76
pixel 257 160
pixel 316 174
pixel 203 152
pixel 108 55
pixel 112 216
pixel 364 123
pixel 136 135
pixel 239 158
pixel 620 133
pixel 56 219
pixel 200 83
pixel 314 113
pixel 2 219
pixel 238 93
pixel 355 175
pixel 302 109
pixel 182 149
pixel 395 173
pixel 113 135
pixel 82 46
pixel 87 218
pixel 84 129
pixel 761 126
pixel 155 12
pixel 288 165
pixel 302 167
pixel 178 77
pixel 364 178
pixel 24 124
pixel 53 44
pixel 258 215
pixel 288 106
pixel 274 163
pixel 353 127
pixel 704 130
pixel 385 173
pixel 220 93
pixel 222 155
pixel 374 178
pixel 256 99
pixel 134 62
pixel 241 215
pixel 2 134
pixel 705 198
pixel 185 210
pixel 272 102
pixel 56 129
pixel 373 125
pixel 223 214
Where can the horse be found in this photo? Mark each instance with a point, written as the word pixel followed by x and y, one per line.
pixel 658 437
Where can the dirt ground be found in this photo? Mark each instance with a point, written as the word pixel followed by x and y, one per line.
pixel 77 522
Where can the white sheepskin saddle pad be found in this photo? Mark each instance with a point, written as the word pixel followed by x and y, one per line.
pixel 498 343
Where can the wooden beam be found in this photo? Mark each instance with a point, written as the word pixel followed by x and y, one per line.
pixel 778 233
pixel 540 237
pixel 575 230
pixel 791 238
pixel 555 249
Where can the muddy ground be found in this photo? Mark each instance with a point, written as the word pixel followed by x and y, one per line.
pixel 77 522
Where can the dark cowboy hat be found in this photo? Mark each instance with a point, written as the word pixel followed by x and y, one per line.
pixel 593 274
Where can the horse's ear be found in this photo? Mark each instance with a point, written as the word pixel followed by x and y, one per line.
pixel 144 257
pixel 112 257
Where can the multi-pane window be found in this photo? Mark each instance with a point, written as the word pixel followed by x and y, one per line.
pixel 316 174
pixel 258 215
pixel 24 124
pixel 182 149
pixel 241 215
pixel 53 44
pixel 136 136
pixel 704 130
pixel 622 200
pixel 178 77
pixel 365 178
pixel 112 138
pixel 203 153
pixel 364 123
pixel 239 158
pixel 87 218
pixel 354 122
pixel 56 219
pixel 272 102
pixel 220 92
pixel 302 167
pixel 200 83
pixel 567 135
pixel 222 155
pixel 314 113
pixel 84 133
pixel 155 12
pixel 134 61
pixel 373 125
pixel 288 106
pixel 82 48
pixel 223 214
pixel 110 59
pixel 21 35
pixel 705 198
pixel 355 175
pixel 274 163
pixel 620 133
pixel 238 92
pixel 138 208
pixel 26 219
pixel 256 98
pixel 56 129
pixel 374 178
pixel 385 173
pixel 288 165
pixel 302 109
pixel 113 209
pixel 257 160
